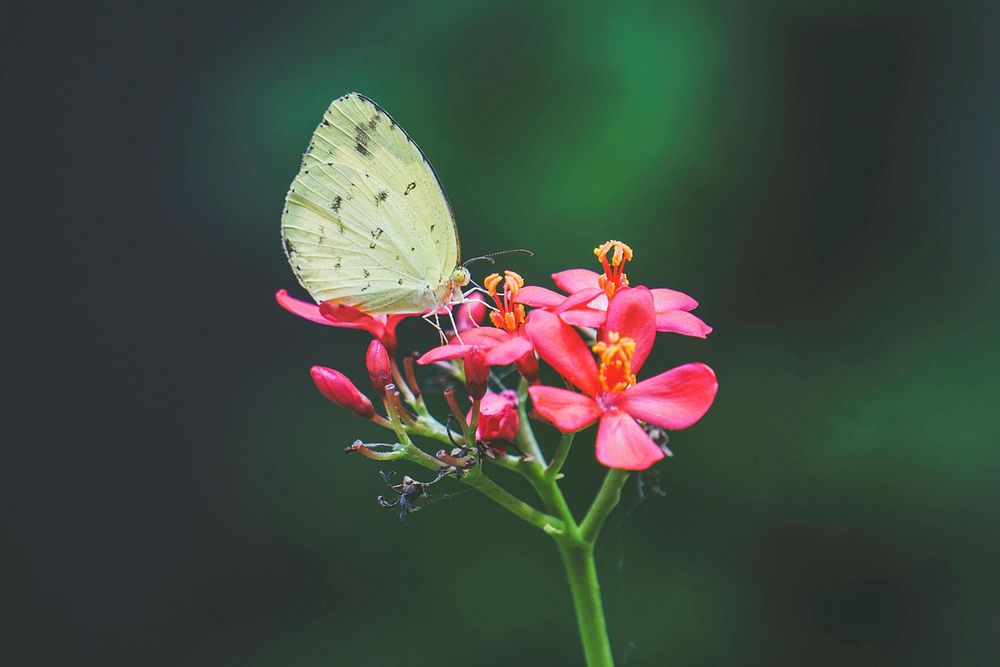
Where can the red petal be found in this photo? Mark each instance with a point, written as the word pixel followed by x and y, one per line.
pixel 672 400
pixel 568 410
pixel 621 443
pixel 301 308
pixel 585 317
pixel 509 351
pixel 678 321
pixel 574 280
pixel 349 317
pixel 444 352
pixel 581 298
pixel 563 349
pixel 538 297
pixel 631 314
pixel 668 299
pixel 484 336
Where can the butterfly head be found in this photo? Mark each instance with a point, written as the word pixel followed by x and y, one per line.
pixel 460 277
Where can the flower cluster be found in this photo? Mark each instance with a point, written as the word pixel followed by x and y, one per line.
pixel 597 336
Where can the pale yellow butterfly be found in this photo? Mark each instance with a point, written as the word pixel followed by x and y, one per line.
pixel 366 222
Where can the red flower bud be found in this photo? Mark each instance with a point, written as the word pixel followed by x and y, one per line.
pixel 498 419
pixel 477 372
pixel 379 367
pixel 527 366
pixel 336 387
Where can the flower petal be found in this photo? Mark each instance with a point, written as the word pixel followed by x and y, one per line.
pixel 309 311
pixel 538 297
pixel 678 321
pixel 563 349
pixel 585 317
pixel 444 352
pixel 484 336
pixel 581 298
pixel 621 443
pixel 631 314
pixel 349 317
pixel 567 410
pixel 574 280
pixel 508 351
pixel 668 299
pixel 674 399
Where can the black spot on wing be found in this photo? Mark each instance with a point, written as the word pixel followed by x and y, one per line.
pixel 362 139
pixel 335 206
pixel 381 197
pixel 376 235
pixel 409 188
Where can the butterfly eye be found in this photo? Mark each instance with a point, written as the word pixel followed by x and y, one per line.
pixel 460 277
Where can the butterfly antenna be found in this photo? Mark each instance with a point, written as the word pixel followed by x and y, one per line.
pixel 489 257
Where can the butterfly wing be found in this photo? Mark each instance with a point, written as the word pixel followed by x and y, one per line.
pixel 366 222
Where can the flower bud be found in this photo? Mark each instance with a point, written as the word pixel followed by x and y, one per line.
pixel 498 418
pixel 337 388
pixel 477 372
pixel 379 366
pixel 527 366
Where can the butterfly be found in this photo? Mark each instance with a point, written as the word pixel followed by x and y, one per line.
pixel 366 222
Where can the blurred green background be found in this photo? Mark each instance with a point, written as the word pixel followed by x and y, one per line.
pixel 820 175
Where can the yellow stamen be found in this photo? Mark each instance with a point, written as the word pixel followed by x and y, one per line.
pixel 615 357
pixel 508 315
pixel 614 277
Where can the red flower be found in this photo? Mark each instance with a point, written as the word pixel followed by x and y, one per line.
pixel 672 400
pixel 589 292
pixel 504 344
pixel 498 418
pixel 381 327
pixel 338 388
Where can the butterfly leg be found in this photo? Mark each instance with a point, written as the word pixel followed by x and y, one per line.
pixel 436 324
pixel 454 327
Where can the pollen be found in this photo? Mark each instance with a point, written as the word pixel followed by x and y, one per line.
pixel 508 315
pixel 614 277
pixel 615 357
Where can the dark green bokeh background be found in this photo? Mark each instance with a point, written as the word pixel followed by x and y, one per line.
pixel 820 175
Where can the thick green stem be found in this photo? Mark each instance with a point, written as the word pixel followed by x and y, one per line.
pixel 577 551
pixel 581 573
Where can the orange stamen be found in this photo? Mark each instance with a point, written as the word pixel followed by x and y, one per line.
pixel 614 277
pixel 508 316
pixel 615 357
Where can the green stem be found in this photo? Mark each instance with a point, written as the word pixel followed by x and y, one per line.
pixel 559 458
pixel 525 436
pixel 606 500
pixel 502 497
pixel 577 552
pixel 581 572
